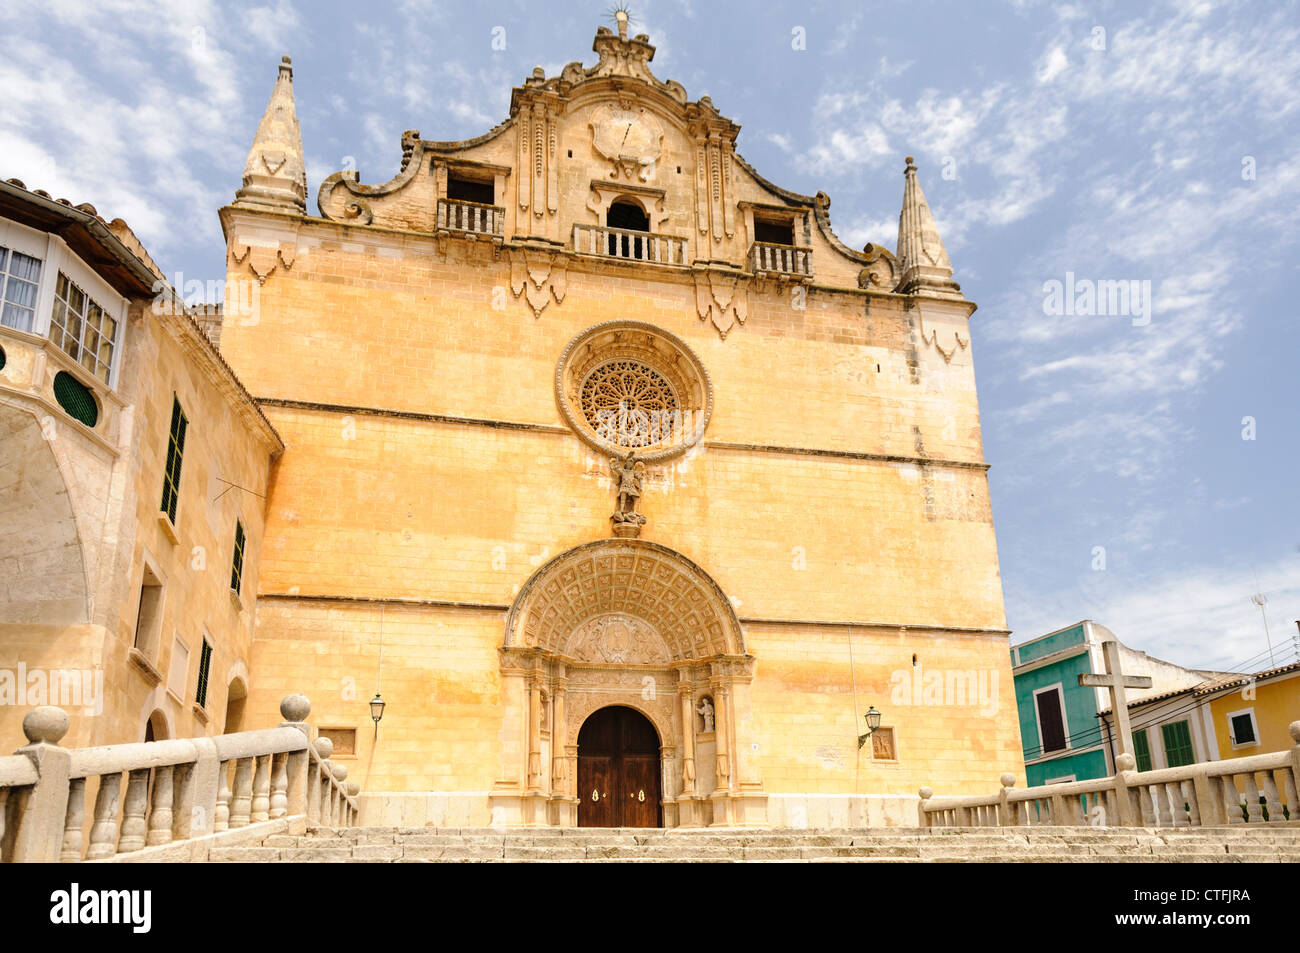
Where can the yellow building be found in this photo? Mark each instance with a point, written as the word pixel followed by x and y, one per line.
pixel 630 487
pixel 1251 714
pixel 459 361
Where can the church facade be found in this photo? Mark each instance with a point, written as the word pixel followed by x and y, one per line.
pixel 639 497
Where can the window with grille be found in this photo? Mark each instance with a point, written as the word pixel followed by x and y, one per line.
pixel 1142 750
pixel 175 451
pixel 20 277
pixel 82 328
pixel 237 570
pixel 76 398
pixel 205 668
pixel 1178 744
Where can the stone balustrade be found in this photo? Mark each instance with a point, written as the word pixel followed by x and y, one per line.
pixel 175 790
pixel 767 258
pixel 629 244
pixel 1209 794
pixel 471 217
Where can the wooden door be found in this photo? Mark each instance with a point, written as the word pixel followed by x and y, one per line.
pixel 618 770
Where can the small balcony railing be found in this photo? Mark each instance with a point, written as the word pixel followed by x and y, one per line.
pixel 455 215
pixel 629 245
pixel 781 259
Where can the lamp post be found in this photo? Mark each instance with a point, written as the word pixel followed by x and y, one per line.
pixel 873 722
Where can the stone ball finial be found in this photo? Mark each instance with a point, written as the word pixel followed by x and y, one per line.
pixel 324 747
pixel 340 772
pixel 1008 780
pixel 926 794
pixel 1125 762
pixel 353 789
pixel 295 708
pixel 1294 728
pixel 46 725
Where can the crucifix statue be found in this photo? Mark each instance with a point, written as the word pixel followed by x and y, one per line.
pixel 1117 681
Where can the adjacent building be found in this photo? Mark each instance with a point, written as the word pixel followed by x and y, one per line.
pixel 1065 734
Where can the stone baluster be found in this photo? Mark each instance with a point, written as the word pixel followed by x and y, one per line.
pixel 340 773
pixel 279 786
pixel 103 833
pixel 1270 797
pixel 260 809
pixel 1231 799
pixel 1253 814
pixel 221 816
pixel 1174 793
pixel 134 806
pixel 160 808
pixel 71 851
pixel 1191 799
pixel 241 800
pixel 353 789
pixel 1289 788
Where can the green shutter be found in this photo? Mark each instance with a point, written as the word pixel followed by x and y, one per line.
pixel 237 569
pixel 75 397
pixel 175 453
pixel 1142 750
pixel 205 665
pixel 1178 744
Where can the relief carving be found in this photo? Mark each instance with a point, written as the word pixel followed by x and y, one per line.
pixel 618 640
pixel 721 298
pixel 262 260
pixel 538 277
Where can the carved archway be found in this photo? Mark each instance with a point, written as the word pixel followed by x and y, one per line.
pixel 631 623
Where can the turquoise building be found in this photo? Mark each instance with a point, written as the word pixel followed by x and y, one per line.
pixel 1062 737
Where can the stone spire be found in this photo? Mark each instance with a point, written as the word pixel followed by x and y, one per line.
pixel 921 255
pixel 275 175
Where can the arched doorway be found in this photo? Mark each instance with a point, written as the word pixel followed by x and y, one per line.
pixel 155 729
pixel 618 770
pixel 236 697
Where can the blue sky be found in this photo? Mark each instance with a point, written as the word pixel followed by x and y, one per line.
pixel 1114 141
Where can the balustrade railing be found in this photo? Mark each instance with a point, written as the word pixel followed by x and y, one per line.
pixel 1251 790
pixel 629 244
pixel 175 790
pixel 780 259
pixel 455 215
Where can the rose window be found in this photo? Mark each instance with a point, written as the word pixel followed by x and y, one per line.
pixel 629 404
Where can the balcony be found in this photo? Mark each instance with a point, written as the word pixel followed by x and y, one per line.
pixel 471 218
pixel 781 260
pixel 629 245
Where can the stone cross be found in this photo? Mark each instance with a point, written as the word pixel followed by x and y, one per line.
pixel 1117 681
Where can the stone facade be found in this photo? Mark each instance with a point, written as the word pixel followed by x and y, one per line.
pixel 81 518
pixel 818 527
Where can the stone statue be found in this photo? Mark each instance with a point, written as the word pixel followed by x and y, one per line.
pixel 706 712
pixel 627 474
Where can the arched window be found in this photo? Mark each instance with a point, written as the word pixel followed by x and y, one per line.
pixel 629 216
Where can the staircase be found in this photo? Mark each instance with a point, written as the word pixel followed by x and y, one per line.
pixel 892 845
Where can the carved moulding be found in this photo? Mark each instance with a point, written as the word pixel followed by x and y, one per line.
pixel 538 276
pixel 262 260
pixel 628 385
pixel 947 336
pixel 722 297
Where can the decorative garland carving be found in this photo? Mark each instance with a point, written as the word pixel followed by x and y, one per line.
pixel 538 276
pixel 722 298
pixel 262 260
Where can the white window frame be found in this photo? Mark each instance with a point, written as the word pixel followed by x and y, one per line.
pixel 1059 688
pixel 1061 780
pixel 55 257
pixel 1254 726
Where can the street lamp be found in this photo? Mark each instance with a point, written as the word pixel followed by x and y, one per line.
pixel 873 722
pixel 377 708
